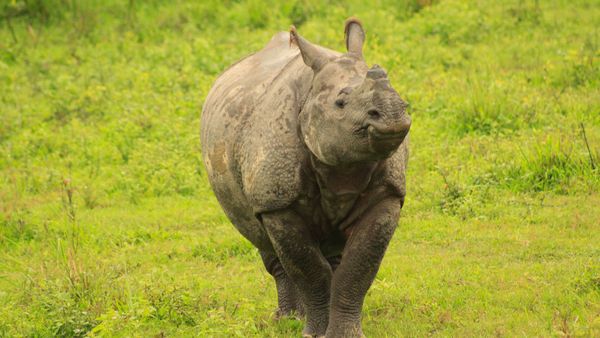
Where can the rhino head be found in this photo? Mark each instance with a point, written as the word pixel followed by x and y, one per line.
pixel 352 113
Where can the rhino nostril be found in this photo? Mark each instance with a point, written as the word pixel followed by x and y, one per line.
pixel 374 114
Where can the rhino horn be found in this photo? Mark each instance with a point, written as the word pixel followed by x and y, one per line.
pixel 376 73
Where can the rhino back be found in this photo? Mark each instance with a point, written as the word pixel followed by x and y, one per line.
pixel 250 141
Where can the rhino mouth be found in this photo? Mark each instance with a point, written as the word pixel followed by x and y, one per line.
pixel 383 141
pixel 391 136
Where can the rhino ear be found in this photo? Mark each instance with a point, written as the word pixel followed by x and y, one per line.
pixel 312 56
pixel 355 36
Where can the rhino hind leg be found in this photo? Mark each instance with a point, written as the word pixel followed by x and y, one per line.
pixel 289 303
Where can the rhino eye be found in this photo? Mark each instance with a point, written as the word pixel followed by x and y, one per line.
pixel 340 103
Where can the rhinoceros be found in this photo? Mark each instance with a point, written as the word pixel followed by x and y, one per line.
pixel 306 151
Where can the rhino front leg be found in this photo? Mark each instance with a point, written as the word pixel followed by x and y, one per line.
pixel 304 263
pixel 288 298
pixel 366 245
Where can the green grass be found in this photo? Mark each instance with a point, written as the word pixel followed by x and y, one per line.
pixel 108 226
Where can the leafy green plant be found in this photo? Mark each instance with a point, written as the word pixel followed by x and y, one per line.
pixel 550 166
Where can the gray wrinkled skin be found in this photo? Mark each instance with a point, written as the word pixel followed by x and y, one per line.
pixel 306 150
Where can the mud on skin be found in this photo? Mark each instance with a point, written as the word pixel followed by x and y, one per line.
pixel 306 150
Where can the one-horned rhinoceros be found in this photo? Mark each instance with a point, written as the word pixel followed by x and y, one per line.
pixel 306 151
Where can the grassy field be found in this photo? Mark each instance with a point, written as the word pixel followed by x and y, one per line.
pixel 108 226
